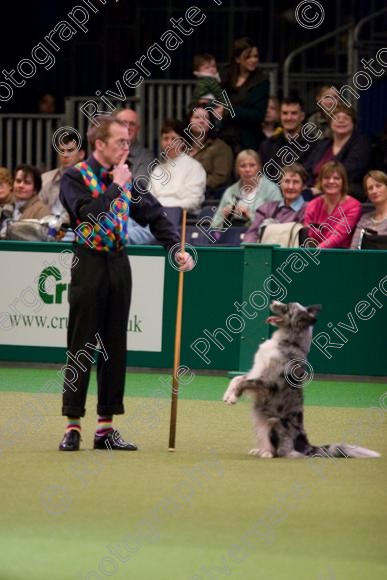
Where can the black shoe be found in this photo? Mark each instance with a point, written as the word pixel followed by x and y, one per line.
pixel 112 441
pixel 70 441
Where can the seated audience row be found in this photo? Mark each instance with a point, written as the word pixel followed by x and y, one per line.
pixel 331 219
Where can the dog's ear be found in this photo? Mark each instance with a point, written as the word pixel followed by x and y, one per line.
pixel 314 309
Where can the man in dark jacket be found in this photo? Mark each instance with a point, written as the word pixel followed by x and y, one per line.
pixel 292 116
pixel 98 196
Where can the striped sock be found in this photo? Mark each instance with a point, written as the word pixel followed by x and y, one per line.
pixel 74 423
pixel 104 425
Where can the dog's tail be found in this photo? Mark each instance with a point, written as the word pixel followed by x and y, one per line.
pixel 342 450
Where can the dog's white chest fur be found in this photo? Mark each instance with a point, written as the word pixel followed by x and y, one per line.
pixel 266 354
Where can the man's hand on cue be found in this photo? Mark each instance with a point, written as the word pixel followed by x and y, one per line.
pixel 185 261
pixel 121 172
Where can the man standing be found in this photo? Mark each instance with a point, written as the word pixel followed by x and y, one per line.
pixel 98 197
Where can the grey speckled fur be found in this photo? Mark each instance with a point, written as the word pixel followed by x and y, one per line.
pixel 276 384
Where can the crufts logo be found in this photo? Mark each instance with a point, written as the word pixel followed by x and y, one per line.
pixel 49 291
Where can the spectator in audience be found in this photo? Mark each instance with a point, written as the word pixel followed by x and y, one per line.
pixel 375 186
pixel 6 197
pixel 47 104
pixel 213 153
pixel 347 145
pixel 290 209
pixel 179 180
pixel 319 117
pixel 270 125
pixel 333 216
pixel 207 88
pixel 247 88
pixel 139 160
pixel 139 157
pixel 242 199
pixel 26 187
pixel 71 153
pixel 276 148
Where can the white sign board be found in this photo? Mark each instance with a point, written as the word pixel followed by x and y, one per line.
pixel 34 306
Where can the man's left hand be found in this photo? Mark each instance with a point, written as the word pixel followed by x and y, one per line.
pixel 185 261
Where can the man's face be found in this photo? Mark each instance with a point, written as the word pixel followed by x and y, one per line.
pixel 130 117
pixel 292 117
pixel 116 144
pixel 69 155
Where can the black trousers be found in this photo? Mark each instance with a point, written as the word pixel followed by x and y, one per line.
pixel 99 297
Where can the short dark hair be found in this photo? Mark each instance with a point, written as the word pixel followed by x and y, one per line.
pixel 175 125
pixel 293 101
pixel 73 137
pixel 200 59
pixel 34 172
pixel 298 169
pixel 102 130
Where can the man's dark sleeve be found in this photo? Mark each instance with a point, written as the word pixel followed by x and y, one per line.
pixel 77 200
pixel 148 211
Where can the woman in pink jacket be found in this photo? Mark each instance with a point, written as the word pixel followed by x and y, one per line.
pixel 332 217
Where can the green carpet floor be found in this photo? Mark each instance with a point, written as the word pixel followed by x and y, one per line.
pixel 206 511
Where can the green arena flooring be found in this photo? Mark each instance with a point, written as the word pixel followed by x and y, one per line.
pixel 209 510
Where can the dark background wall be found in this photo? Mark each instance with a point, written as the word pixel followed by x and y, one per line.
pixel 122 31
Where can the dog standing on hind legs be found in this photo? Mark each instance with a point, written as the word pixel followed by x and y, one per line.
pixel 276 385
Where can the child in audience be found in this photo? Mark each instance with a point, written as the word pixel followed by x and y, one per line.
pixel 207 87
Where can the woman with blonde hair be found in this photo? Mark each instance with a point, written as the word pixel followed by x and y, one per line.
pixel 242 199
pixel 375 186
pixel 333 216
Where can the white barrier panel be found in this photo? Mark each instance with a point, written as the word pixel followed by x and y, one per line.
pixel 34 306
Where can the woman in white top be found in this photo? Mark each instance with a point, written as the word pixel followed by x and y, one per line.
pixel 375 186
pixel 242 199
pixel 179 180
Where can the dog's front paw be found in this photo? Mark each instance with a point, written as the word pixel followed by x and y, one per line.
pixel 230 398
pixel 256 452
pixel 264 453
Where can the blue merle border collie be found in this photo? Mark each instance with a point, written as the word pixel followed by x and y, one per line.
pixel 275 383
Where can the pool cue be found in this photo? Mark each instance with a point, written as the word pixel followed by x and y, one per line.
pixel 176 358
